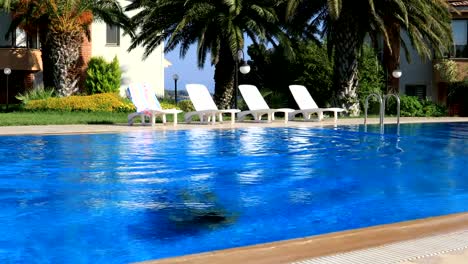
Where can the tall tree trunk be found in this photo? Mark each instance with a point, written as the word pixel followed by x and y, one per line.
pixel 391 58
pixel 64 55
pixel 224 78
pixel 47 76
pixel 347 47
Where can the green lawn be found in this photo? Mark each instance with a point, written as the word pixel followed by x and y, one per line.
pixel 60 118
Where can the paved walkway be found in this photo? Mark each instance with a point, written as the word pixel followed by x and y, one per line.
pixel 67 129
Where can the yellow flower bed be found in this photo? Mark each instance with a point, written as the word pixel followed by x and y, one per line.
pixel 105 102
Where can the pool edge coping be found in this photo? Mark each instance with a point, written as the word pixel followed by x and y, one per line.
pixel 292 250
pixel 124 128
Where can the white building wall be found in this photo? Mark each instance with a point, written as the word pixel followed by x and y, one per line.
pixel 418 72
pixel 134 68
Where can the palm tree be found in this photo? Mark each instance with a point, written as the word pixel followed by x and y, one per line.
pixel 61 25
pixel 218 27
pixel 346 23
pixel 5 4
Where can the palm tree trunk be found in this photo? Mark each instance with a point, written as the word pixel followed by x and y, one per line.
pixel 391 58
pixel 224 78
pixel 47 76
pixel 347 46
pixel 64 52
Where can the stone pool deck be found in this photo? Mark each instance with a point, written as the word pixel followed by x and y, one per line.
pixel 120 128
pixel 440 240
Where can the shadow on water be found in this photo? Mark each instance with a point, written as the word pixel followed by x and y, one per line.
pixel 189 213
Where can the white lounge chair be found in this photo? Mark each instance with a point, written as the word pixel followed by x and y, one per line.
pixel 205 107
pixel 307 105
pixel 147 104
pixel 257 105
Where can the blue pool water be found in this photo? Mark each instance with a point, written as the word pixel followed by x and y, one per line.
pixel 117 198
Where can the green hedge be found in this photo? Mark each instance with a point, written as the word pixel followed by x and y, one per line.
pixel 105 102
pixel 413 106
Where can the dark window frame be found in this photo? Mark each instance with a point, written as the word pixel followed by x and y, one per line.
pixel 114 39
pixel 32 42
pixel 418 90
pixel 460 52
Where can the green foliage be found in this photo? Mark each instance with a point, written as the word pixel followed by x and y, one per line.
pixel 315 72
pixel 106 102
pixel 273 72
pixel 186 106
pixel 458 96
pixel 167 103
pixel 412 106
pixel 371 78
pixel 432 109
pixel 458 91
pixel 103 77
pixel 61 118
pixel 448 70
pixel 35 94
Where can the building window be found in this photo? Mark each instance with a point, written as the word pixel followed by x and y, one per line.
pixel 416 90
pixel 460 38
pixel 113 35
pixel 5 20
pixel 20 39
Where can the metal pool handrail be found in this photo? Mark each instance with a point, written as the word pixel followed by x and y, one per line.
pixel 398 106
pixel 382 110
pixel 366 106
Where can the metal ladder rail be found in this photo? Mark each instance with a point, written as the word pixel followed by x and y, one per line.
pixel 385 98
pixel 366 106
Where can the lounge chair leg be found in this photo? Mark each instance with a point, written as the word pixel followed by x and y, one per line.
pixel 233 116
pixel 257 117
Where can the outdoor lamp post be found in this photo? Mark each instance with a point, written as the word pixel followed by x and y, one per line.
pixel 397 73
pixel 244 69
pixel 7 72
pixel 176 78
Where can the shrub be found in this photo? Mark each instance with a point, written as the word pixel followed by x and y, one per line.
pixel 432 109
pixel 448 70
pixel 36 94
pixel 185 105
pixel 413 106
pixel 106 102
pixel 371 78
pixel 103 77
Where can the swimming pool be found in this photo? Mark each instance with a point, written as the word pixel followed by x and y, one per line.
pixel 116 198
